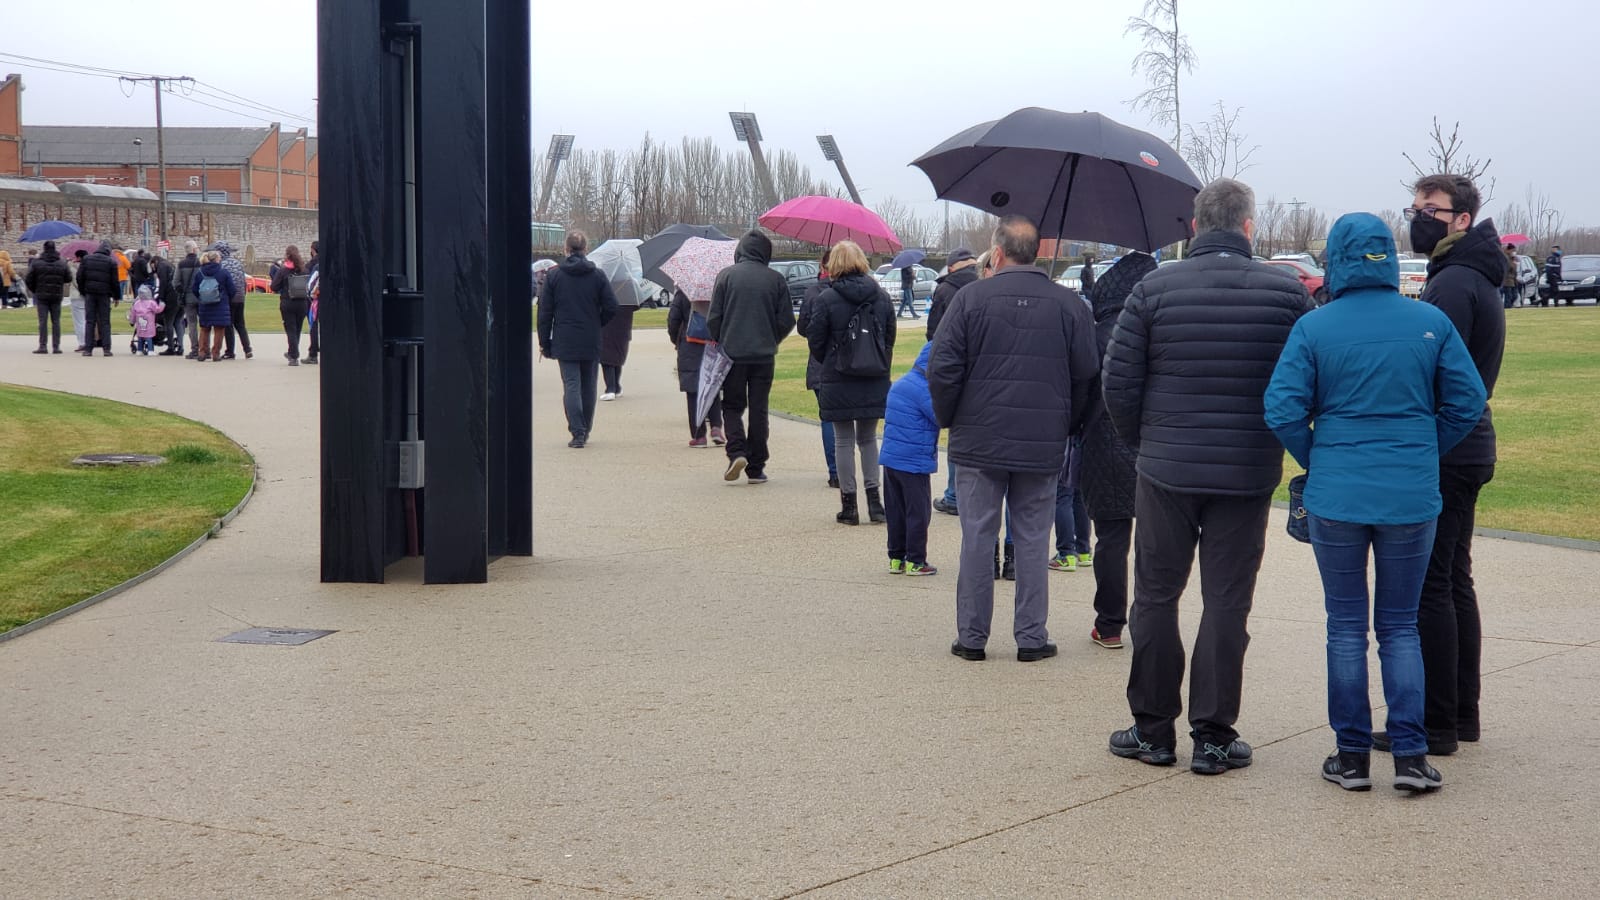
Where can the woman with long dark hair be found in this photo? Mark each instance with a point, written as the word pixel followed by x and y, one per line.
pixel 293 283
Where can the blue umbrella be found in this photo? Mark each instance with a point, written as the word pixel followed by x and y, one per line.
pixel 49 230
pixel 908 257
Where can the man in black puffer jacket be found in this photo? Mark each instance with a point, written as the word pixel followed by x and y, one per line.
pixel 98 283
pixel 1465 267
pixel 1188 363
pixel 47 279
pixel 1010 373
pixel 750 316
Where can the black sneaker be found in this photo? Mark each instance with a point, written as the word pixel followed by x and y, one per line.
pixel 1412 773
pixel 1436 746
pixel 1214 759
pixel 736 468
pixel 1351 771
pixel 948 509
pixel 1034 654
pixel 975 654
pixel 1129 745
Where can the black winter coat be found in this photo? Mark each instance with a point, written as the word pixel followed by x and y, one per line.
pixel 164 275
pixel 944 291
pixel 97 276
pixel 577 301
pixel 616 336
pixel 808 309
pixel 138 272
pixel 47 278
pixel 1461 282
pixel 751 312
pixel 1189 361
pixel 843 397
pixel 690 353
pixel 1011 370
pixel 1107 475
pixel 186 268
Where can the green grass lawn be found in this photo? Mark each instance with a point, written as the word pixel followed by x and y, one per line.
pixel 71 532
pixel 1546 414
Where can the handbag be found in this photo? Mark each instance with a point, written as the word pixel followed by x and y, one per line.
pixel 1299 526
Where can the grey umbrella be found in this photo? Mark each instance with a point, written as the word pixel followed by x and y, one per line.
pixel 1077 175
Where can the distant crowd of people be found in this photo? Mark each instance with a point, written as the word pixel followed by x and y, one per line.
pixel 1163 396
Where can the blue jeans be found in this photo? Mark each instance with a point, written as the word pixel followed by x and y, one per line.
pixel 1072 516
pixel 578 394
pixel 907 303
pixel 950 482
pixel 1400 554
pixel 827 445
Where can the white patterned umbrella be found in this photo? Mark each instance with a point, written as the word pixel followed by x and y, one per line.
pixel 695 266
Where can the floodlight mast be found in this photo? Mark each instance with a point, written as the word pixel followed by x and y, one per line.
pixel 830 152
pixel 560 149
pixel 746 129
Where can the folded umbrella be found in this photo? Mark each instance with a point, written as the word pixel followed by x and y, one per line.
pixel 618 258
pixel 907 258
pixel 658 249
pixel 714 368
pixel 1076 175
pixel 49 230
pixel 693 269
pixel 828 220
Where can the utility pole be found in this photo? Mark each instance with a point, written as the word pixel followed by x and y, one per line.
pixel 158 81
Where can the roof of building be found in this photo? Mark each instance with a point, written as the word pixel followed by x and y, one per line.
pixel 286 142
pixel 113 145
pixel 107 190
pixel 13 183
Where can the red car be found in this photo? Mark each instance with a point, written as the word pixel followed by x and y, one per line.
pixel 257 284
pixel 1309 275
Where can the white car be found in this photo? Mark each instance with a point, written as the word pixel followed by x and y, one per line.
pixel 1413 275
pixel 1072 277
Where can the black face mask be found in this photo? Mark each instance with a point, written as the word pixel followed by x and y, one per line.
pixel 1426 233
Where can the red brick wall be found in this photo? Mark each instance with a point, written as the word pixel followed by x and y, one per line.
pixel 11 125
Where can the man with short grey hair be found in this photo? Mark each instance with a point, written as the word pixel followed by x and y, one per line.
pixel 1188 363
pixel 1010 372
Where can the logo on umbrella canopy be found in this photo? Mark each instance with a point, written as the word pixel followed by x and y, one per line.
pixel 1149 158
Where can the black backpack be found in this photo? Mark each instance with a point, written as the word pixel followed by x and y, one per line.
pixel 863 350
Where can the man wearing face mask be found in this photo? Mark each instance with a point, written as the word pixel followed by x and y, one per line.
pixel 1465 269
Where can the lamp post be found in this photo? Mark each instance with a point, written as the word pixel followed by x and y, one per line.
pixel 830 152
pixel 746 129
pixel 138 174
pixel 560 149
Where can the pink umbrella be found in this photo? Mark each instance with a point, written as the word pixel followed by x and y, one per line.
pixel 828 220
pixel 695 266
pixel 1519 238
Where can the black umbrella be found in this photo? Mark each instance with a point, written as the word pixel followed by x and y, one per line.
pixel 1078 175
pixel 659 249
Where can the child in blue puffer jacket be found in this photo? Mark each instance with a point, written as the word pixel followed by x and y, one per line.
pixel 910 454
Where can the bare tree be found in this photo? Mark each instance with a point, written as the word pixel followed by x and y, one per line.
pixel 1165 57
pixel 1544 220
pixel 1217 148
pixel 1450 157
pixel 1396 223
pixel 1304 227
pixel 912 229
pixel 1270 218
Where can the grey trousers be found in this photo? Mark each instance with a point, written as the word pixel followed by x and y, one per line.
pixel 849 436
pixel 191 315
pixel 981 494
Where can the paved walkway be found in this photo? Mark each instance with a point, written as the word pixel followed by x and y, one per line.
pixel 702 689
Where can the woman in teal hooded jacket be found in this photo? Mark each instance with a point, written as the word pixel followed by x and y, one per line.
pixel 1370 390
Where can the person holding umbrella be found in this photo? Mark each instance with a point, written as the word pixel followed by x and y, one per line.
pixel 686 329
pixel 575 304
pixel 908 293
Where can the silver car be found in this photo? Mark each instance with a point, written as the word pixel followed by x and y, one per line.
pixel 922 291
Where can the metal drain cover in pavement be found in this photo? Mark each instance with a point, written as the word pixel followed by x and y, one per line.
pixel 119 459
pixel 283 637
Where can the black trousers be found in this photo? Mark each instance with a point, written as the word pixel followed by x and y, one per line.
pixel 1112 540
pixel 236 324
pixel 49 322
pixel 613 378
pixel 908 504
pixel 749 385
pixel 97 316
pixel 171 317
pixel 314 329
pixel 294 314
pixel 1447 612
pixel 713 415
pixel 1231 533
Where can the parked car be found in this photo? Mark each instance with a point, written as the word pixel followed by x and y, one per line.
pixel 921 291
pixel 799 273
pixel 1580 278
pixel 257 284
pixel 1413 275
pixel 1072 277
pixel 1309 275
pixel 1527 280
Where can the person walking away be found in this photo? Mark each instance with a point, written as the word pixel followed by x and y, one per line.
pixel 808 308
pixel 750 316
pixel 124 266
pixel 314 319
pixel 1188 362
pixel 213 286
pixel 962 270
pixel 97 281
pixel 1009 374
pixel 187 269
pixel 851 335
pixel 48 279
pixel 1508 285
pixel 1107 478
pixel 686 329
pixel 615 337
pixel 575 304
pixel 1086 276
pixel 908 292
pixel 293 286
pixel 910 455
pixel 80 320
pixel 1369 392
pixel 1552 275
pixel 237 327
pixel 142 316
pixel 1464 266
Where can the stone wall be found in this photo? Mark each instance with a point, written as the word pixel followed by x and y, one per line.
pixel 258 233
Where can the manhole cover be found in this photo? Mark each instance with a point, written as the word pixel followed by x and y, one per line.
pixel 283 637
pixel 119 459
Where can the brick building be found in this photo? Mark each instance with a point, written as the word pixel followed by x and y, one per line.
pixel 263 166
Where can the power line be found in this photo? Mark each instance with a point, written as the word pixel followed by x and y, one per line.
pixel 79 67
pixel 222 95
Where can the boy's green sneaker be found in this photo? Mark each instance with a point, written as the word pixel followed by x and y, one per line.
pixel 1085 559
pixel 1064 562
pixel 897 567
pixel 914 569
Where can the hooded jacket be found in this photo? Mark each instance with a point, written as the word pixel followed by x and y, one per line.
pixel 219 314
pixel 1464 275
pixel 750 309
pixel 1010 371
pixel 187 266
pixel 1372 388
pixel 945 290
pixel 843 397
pixel 690 353
pixel 910 429
pixel 1189 360
pixel 167 288
pixel 575 303
pixel 1108 476
pixel 235 270
pixel 97 275
pixel 8 272
pixel 48 277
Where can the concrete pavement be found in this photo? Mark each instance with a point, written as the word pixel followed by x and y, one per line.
pixel 701 689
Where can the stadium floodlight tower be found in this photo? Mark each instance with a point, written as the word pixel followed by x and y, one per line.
pixel 830 152
pixel 746 129
pixel 560 149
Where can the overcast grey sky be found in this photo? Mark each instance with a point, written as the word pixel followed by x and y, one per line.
pixel 1332 93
